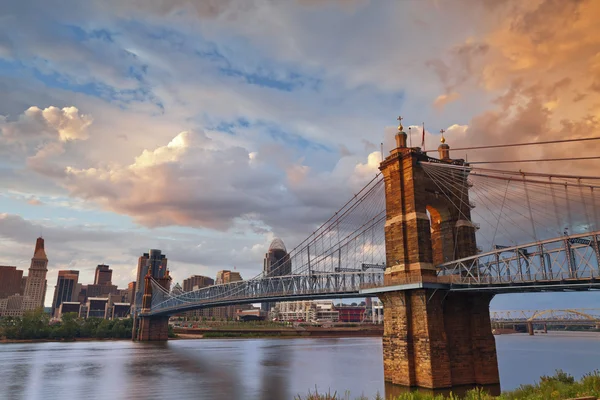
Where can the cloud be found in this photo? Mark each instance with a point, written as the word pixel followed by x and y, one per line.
pixel 63 124
pixel 444 99
pixel 197 181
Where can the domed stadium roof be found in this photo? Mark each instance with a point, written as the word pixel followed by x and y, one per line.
pixel 277 244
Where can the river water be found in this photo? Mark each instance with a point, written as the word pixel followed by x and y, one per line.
pixel 275 369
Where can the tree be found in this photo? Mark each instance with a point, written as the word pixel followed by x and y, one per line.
pixel 103 330
pixel 69 326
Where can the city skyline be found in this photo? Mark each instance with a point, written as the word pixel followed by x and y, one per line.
pixel 190 130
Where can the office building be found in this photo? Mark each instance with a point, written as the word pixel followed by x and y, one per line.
pixel 317 311
pixel 197 280
pixel 103 275
pixel 35 287
pixel 131 292
pixel 154 261
pixel 65 289
pixel 277 262
pixel 10 281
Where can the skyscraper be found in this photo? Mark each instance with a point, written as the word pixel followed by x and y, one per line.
pixel 103 275
pixel 154 261
pixel 10 281
pixel 277 260
pixel 65 289
pixel 35 288
pixel 277 263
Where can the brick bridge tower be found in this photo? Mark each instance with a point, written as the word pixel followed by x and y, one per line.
pixel 433 338
pixel 153 328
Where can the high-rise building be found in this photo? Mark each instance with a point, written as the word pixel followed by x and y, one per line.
pixel 197 280
pixel 10 281
pixel 277 260
pixel 131 292
pixel 103 275
pixel 277 263
pixel 35 288
pixel 65 289
pixel 231 276
pixel 156 262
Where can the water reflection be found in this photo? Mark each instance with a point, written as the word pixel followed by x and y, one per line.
pixel 249 369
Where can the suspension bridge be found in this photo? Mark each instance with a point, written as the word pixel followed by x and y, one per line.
pixel 435 239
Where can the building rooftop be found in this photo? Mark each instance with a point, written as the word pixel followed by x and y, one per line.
pixel 277 244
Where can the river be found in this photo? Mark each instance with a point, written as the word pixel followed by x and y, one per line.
pixel 275 369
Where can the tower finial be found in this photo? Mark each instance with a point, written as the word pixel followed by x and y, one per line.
pixel 443 139
pixel 400 127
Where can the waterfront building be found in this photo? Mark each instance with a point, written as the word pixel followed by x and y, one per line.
pixel 65 289
pixel 35 287
pixel 103 275
pixel 277 262
pixel 97 307
pixel 68 307
pixel 317 311
pixel 351 313
pixel 10 281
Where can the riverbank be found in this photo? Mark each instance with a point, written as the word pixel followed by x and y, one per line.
pixel 313 332
pixel 560 386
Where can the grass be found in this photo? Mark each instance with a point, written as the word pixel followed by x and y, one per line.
pixel 560 386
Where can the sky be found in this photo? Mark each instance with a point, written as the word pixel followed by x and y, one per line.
pixel 206 128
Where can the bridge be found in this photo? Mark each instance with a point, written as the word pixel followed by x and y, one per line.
pixel 563 317
pixel 435 239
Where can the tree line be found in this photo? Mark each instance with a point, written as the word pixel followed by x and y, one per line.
pixel 36 324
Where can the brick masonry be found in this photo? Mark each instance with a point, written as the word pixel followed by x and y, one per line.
pixel 153 328
pixel 432 339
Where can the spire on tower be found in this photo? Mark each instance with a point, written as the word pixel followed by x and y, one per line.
pixel 400 127
pixel 443 148
pixel 400 135
pixel 39 251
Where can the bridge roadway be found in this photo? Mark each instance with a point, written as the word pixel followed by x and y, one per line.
pixel 565 263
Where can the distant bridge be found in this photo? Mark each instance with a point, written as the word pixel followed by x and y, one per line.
pixel 581 316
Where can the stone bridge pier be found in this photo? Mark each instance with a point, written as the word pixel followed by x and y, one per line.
pixel 433 338
pixel 152 328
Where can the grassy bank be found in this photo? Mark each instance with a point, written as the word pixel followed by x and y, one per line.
pixel 220 335
pixel 558 386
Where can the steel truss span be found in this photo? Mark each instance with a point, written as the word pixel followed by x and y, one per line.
pixel 280 288
pixel 559 264
pixel 563 263
pixel 565 316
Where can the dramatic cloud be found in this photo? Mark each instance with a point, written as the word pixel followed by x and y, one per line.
pixel 64 124
pixel 281 105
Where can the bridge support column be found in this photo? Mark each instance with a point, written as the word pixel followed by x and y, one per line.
pixel 152 328
pixel 530 329
pixel 433 339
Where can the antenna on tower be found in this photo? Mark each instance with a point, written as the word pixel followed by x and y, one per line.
pixel 410 136
pixel 381 146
